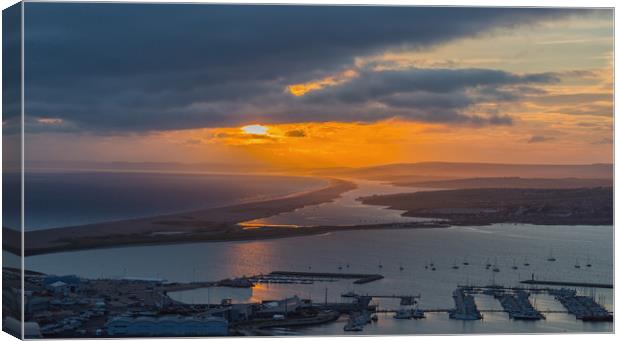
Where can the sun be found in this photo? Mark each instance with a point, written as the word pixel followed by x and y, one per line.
pixel 255 129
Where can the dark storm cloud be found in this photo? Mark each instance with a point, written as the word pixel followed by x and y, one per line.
pixel 11 66
pixel 373 86
pixel 135 67
pixel 432 95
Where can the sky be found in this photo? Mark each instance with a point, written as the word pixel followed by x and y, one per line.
pixel 313 87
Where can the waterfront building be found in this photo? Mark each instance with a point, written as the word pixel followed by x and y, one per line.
pixel 171 325
pixel 62 285
pixel 233 312
pixel 281 307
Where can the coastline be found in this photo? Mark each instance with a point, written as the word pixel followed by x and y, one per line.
pixel 485 206
pixel 222 224
pixel 264 233
pixel 208 224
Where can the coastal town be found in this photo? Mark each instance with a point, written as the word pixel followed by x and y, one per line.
pixel 70 306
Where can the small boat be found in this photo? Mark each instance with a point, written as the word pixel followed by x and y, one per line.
pixel 433 268
pixel 551 258
pixel 454 266
pixel 401 268
pixel 417 314
pixel 349 294
pixel 465 262
pixel 404 314
pixel 495 269
pixel 577 266
pixel 340 268
pixel 525 262
pixel 589 264
pixel 514 265
pixel 425 265
pixel 347 265
pixel 488 265
pixel 380 265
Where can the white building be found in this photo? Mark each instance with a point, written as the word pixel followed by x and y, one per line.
pixel 59 288
pixel 167 326
pixel 282 307
pixel 63 285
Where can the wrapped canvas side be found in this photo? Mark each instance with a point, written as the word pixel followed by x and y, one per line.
pixel 12 175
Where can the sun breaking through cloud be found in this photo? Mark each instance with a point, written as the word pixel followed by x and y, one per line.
pixel 255 129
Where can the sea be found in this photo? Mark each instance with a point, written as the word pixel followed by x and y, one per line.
pixel 401 256
pixel 54 199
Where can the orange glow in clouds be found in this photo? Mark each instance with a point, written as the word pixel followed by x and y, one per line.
pixel 354 144
pixel 318 84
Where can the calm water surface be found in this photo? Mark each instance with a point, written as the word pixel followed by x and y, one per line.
pixel 363 251
pixel 64 199
pixel 346 210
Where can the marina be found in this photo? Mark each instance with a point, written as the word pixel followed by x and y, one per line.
pixel 116 307
pixel 365 250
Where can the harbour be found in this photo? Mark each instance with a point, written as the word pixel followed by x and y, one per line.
pixel 121 307
pixel 416 279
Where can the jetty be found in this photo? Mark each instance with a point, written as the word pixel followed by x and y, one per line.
pixel 518 306
pixel 569 284
pixel 583 307
pixel 465 306
pixel 404 299
pixel 359 278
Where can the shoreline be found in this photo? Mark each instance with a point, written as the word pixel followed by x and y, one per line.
pixel 258 234
pixel 212 223
pixel 223 224
pixel 264 233
pixel 484 206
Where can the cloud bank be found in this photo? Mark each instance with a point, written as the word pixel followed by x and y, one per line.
pixel 131 68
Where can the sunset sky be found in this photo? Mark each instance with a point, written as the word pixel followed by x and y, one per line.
pixel 317 86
